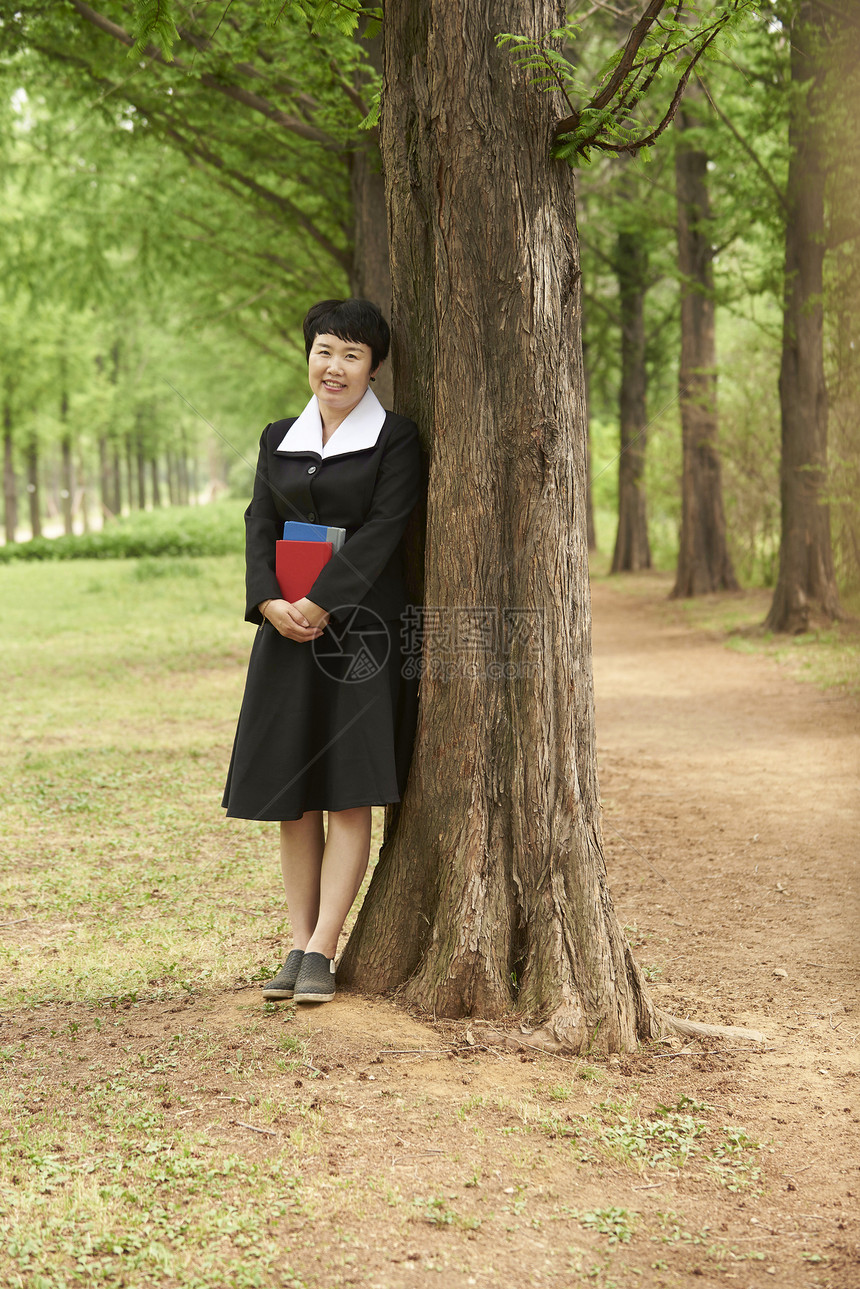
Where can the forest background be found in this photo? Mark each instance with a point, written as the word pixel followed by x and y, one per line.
pixel 169 212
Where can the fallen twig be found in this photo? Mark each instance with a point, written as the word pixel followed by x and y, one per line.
pixel 415 1051
pixel 15 921
pixel 711 1051
pixel 267 1132
pixel 308 1066
pixel 650 1187
pixel 416 1154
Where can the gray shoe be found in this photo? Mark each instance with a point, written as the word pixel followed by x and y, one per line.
pixel 285 981
pixel 315 982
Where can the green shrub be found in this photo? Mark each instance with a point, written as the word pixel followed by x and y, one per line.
pixel 214 529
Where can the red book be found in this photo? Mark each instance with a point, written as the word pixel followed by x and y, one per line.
pixel 298 565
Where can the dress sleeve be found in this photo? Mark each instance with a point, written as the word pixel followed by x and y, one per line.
pixel 262 528
pixel 352 571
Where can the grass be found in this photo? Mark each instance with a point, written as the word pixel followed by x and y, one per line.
pixel 672 1136
pixel 121 694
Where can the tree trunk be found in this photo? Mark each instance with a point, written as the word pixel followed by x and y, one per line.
pixel 141 474
pixel 155 482
pixel 182 477
pixel 806 585
pixel 632 550
pixel 67 473
pixel 83 492
pixel 371 273
pixel 589 501
pixel 491 892
pixel 172 485
pixel 130 472
pixel 33 496
pixel 10 482
pixel 107 484
pixel 116 480
pixel 704 563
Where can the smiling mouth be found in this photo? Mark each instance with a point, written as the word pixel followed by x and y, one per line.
pixel 330 384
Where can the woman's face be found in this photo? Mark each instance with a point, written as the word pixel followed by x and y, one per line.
pixel 339 372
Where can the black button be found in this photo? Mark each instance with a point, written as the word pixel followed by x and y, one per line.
pixel 312 469
pixel 312 517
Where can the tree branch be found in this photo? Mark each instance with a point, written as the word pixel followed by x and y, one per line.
pixel 253 101
pixel 635 144
pixel 628 57
pixel 747 147
pixel 203 153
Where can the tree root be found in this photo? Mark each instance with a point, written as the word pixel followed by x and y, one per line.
pixel 545 1039
pixel 694 1029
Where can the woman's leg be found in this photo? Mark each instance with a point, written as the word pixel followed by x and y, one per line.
pixel 302 842
pixel 344 863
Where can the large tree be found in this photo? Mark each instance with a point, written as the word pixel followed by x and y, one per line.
pixel 806 590
pixel 632 549
pixel 704 563
pixel 491 891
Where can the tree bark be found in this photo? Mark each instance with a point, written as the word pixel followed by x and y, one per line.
pixel 371 274
pixel 591 534
pixel 704 563
pixel 491 894
pixel 632 549
pixel 370 277
pixel 806 590
pixel 10 482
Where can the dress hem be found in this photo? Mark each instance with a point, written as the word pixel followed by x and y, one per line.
pixel 268 819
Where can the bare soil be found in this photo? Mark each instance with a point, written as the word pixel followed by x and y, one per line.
pixel 730 798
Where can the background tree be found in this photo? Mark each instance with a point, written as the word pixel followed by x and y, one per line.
pixel 704 563
pixel 806 586
pixel 632 550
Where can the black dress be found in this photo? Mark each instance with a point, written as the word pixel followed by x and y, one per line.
pixel 329 724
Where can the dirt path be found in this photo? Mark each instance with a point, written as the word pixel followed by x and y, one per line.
pixel 739 788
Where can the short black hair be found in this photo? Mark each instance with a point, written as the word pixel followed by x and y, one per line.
pixel 357 320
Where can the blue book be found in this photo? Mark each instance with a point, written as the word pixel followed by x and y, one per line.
pixel 295 531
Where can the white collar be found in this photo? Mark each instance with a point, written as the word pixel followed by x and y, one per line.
pixel 360 429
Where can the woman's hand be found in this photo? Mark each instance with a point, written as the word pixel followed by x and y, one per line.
pixel 301 621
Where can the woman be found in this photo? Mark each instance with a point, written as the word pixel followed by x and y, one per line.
pixel 328 715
